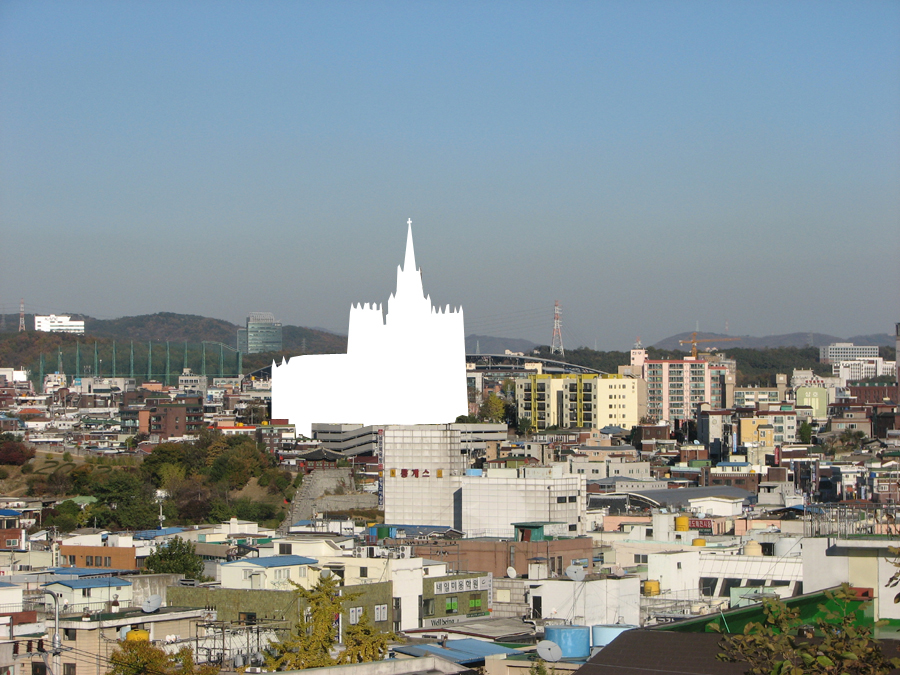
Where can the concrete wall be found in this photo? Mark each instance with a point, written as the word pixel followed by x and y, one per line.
pixel 145 585
pixel 331 503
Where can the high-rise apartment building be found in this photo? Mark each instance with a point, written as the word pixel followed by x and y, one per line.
pixel 675 387
pixel 577 400
pixel 262 334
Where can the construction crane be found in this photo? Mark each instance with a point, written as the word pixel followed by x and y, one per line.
pixel 694 341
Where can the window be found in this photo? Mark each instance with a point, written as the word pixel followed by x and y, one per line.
pixel 428 606
pixel 282 573
pixel 247 573
pixel 573 528
pixel 363 572
pixel 88 561
pixel 560 500
pixel 678 565
pixel 247 618
pixel 85 592
pixel 284 549
pixel 452 606
pixel 572 499
pixel 381 611
pixel 12 543
pixel 355 615
pixel 68 669
pixel 69 634
pixel 72 560
pixel 475 602
pixel 640 558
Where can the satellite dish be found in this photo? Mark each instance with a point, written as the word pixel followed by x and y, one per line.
pixel 575 572
pixel 325 573
pixel 151 604
pixel 549 650
pixel 511 572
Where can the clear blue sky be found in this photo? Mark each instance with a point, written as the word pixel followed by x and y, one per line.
pixel 651 165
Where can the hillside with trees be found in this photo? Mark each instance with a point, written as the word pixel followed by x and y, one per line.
pixel 754 366
pixel 207 481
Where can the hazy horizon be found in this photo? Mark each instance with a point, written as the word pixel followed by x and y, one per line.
pixel 652 166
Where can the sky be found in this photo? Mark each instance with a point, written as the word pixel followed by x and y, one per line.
pixel 654 166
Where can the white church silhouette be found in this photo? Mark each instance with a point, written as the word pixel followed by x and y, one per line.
pixel 406 366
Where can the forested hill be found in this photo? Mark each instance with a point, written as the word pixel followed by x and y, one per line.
pixel 755 366
pixel 191 328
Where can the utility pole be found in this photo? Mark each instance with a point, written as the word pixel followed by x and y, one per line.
pixel 556 345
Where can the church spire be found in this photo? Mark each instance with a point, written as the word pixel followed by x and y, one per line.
pixel 409 263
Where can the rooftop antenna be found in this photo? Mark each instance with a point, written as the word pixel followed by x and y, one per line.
pixel 556 345
pixel 22 315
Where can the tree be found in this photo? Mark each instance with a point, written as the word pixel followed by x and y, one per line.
pixel 805 433
pixel 176 556
pixel 138 657
pixel 492 409
pixel 364 642
pixel 15 453
pixel 311 641
pixel 852 439
pixel 775 647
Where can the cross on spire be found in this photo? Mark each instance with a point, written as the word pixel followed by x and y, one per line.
pixel 409 222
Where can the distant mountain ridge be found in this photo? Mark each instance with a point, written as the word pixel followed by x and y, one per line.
pixel 771 341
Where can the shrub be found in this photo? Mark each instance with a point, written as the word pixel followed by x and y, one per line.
pixel 15 453
pixel 67 456
pixel 27 469
pixel 4 474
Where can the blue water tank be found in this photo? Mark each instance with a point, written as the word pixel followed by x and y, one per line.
pixel 474 472
pixel 575 641
pixel 602 635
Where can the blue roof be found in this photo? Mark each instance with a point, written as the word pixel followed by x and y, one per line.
pixel 466 651
pixel 97 582
pixel 88 571
pixel 9 512
pixel 276 561
pixel 153 534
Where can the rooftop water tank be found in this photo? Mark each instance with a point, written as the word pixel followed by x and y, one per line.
pixel 575 641
pixel 682 524
pixel 137 635
pixel 698 542
pixel 651 587
pixel 753 548
pixel 787 547
pixel 602 635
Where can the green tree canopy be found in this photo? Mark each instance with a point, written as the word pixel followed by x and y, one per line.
pixel 176 556
pixel 776 646
pixel 311 642
pixel 138 657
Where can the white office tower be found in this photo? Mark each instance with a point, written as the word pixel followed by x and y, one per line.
pixel 403 366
